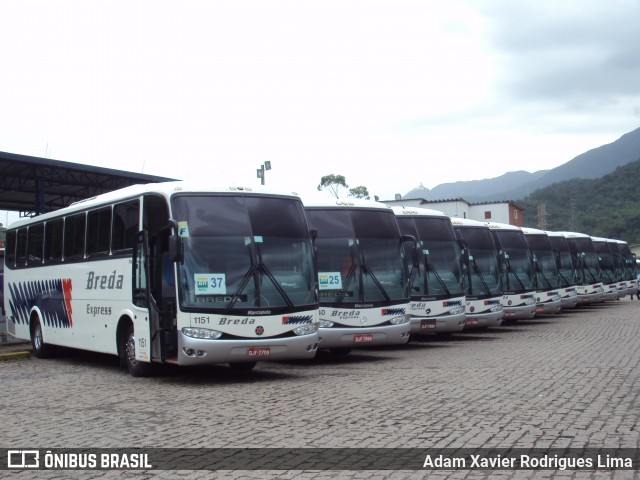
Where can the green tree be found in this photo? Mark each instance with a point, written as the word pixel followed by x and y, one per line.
pixel 359 192
pixel 332 183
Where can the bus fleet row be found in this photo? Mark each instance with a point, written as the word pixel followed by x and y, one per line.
pixel 185 274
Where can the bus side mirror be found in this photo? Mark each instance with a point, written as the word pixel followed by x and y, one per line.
pixel 413 245
pixel 176 249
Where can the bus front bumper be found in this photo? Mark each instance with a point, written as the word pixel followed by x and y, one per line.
pixel 358 337
pixel 443 324
pixel 483 320
pixel 523 311
pixel 549 308
pixel 195 351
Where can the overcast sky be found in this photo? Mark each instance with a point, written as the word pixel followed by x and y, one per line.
pixel 390 94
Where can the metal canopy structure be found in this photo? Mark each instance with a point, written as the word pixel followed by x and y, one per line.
pixel 34 185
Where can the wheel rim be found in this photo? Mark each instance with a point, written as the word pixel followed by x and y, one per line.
pixel 37 336
pixel 130 350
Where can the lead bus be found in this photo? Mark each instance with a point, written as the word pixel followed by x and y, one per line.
pixel 363 288
pixel 167 273
pixel 436 276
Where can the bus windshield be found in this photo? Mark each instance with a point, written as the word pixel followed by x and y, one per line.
pixel 547 269
pixel 607 265
pixel 360 256
pixel 587 258
pixel 483 268
pixel 439 270
pixel 517 260
pixel 239 254
pixel 566 270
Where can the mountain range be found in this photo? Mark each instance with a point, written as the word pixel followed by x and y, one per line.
pixel 594 163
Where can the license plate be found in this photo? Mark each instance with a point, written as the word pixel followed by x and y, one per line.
pixel 471 321
pixel 259 351
pixel 509 314
pixel 365 337
pixel 427 325
pixel 539 309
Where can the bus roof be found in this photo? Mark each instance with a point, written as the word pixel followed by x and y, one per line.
pixel 404 211
pixel 330 202
pixel 165 188
pixel 532 231
pixel 502 226
pixel 467 222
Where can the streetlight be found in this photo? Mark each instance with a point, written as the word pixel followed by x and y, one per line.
pixel 260 172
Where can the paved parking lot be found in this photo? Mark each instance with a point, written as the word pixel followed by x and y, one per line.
pixel 572 380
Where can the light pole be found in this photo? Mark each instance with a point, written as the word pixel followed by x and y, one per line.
pixel 260 172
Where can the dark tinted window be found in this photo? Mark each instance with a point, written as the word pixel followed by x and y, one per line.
pixel 10 249
pixel 21 248
pixel 125 225
pixel 74 227
pixel 35 242
pixel 53 234
pixel 98 231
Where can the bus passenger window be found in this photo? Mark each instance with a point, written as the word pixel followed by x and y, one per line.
pixel 53 233
pixel 35 242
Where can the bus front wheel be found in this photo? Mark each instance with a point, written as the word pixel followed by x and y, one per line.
pixel 40 349
pixel 136 368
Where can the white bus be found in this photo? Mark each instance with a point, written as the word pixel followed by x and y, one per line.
pixel 585 260
pixel 566 270
pixel 362 275
pixel 167 273
pixel 547 278
pixel 436 276
pixel 483 285
pixel 608 271
pixel 516 263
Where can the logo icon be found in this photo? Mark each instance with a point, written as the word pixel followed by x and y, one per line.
pixel 259 330
pixel 23 459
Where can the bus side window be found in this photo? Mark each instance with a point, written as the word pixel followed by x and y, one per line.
pixel 10 249
pixel 125 225
pixel 53 234
pixel 21 248
pixel 35 243
pixel 74 236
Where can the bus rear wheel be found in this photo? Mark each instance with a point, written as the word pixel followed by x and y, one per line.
pixel 40 349
pixel 136 368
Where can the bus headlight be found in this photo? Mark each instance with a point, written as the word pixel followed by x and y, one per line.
pixel 306 329
pixel 530 301
pixel 326 324
pixel 456 311
pixel 400 320
pixel 496 308
pixel 203 333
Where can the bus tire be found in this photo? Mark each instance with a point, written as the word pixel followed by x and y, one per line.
pixel 243 366
pixel 136 367
pixel 40 349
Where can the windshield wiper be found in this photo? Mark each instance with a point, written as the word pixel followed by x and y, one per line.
pixel 476 269
pixel 251 273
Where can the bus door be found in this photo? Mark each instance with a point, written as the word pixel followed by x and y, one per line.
pixel 143 316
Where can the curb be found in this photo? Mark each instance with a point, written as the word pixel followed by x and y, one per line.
pixel 14 355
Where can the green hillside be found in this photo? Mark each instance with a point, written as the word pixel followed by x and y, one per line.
pixel 605 207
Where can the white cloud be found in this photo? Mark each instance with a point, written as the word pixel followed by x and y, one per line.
pixel 389 94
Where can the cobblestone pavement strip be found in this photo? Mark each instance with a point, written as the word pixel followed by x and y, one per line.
pixel 572 380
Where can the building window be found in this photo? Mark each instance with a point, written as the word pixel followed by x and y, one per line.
pixel 487 215
pixel 515 213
